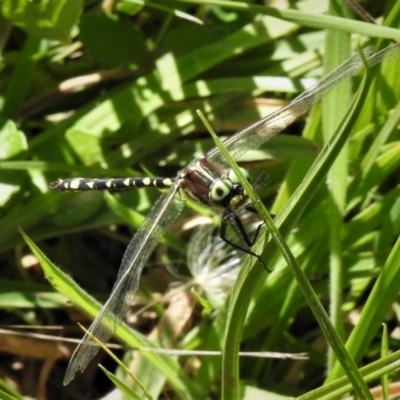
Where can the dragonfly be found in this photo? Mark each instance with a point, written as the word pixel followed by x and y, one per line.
pixel 206 180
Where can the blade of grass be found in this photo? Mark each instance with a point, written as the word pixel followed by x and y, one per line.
pixel 6 396
pixel 121 386
pixel 7 390
pixel 384 353
pixel 334 107
pixel 18 84
pixel 341 386
pixel 373 152
pixel 121 364
pixel 375 308
pixel 308 19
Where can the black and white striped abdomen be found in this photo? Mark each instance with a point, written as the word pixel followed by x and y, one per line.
pixel 77 184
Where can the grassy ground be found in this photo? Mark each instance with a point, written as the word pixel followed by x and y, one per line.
pixel 87 92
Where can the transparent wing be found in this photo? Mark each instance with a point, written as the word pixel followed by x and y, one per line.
pixel 258 133
pixel 163 214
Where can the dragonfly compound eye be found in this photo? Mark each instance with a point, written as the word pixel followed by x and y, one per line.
pixel 234 178
pixel 220 190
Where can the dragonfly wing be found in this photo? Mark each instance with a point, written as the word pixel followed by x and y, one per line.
pixel 163 214
pixel 255 135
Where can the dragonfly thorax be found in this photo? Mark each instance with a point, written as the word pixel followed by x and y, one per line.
pixel 212 185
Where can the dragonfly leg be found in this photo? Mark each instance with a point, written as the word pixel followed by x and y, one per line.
pixel 259 181
pixel 240 230
pixel 238 227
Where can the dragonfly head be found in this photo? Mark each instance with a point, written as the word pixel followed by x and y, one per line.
pixel 228 191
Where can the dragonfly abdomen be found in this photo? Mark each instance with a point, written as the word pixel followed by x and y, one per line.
pixel 77 184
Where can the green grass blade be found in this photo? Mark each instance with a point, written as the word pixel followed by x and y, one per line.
pixel 375 308
pixel 308 19
pixel 334 107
